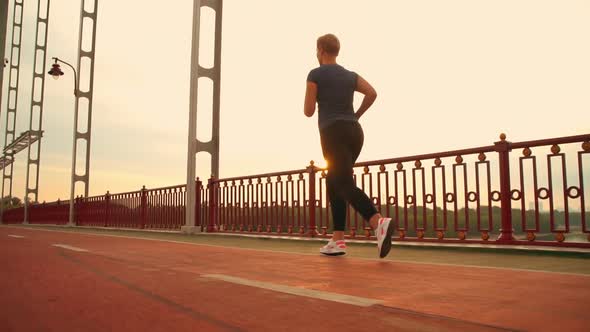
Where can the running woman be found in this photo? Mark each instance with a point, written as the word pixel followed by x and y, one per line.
pixel 332 87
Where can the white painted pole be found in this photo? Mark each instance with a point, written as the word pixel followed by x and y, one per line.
pixel 191 194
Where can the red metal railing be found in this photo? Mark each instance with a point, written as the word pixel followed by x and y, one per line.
pixel 13 216
pixel 164 208
pixel 265 203
pixel 93 211
pixel 160 208
pixel 462 196
pixel 54 213
pixel 530 192
pixel 49 213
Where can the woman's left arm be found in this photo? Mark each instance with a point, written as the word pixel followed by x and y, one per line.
pixel 311 93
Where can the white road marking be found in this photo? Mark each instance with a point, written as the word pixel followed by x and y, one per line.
pixel 16 236
pixel 65 246
pixel 334 297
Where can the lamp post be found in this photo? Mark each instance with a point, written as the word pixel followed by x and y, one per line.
pixel 56 73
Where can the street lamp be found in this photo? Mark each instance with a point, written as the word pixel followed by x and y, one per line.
pixel 56 72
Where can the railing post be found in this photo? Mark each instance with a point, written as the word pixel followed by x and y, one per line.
pixel 212 205
pixel 81 203
pixel 311 170
pixel 198 221
pixel 503 148
pixel 143 207
pixel 26 208
pixel 76 210
pixel 107 208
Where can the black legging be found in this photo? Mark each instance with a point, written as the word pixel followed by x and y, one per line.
pixel 341 144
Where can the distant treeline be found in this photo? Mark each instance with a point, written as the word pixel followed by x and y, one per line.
pixel 295 217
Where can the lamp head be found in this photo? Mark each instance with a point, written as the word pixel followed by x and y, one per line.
pixel 55 71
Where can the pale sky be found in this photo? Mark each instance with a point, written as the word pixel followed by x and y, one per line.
pixel 450 75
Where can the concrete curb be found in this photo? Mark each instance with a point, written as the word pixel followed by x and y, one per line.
pixel 579 252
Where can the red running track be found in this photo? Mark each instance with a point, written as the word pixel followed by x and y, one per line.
pixel 124 284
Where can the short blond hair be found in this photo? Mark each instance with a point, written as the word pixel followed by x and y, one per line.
pixel 329 43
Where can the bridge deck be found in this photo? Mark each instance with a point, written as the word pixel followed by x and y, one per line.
pixel 71 281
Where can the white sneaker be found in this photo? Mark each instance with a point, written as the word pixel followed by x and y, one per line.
pixel 384 231
pixel 334 248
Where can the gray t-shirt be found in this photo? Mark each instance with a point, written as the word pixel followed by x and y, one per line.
pixel 336 86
